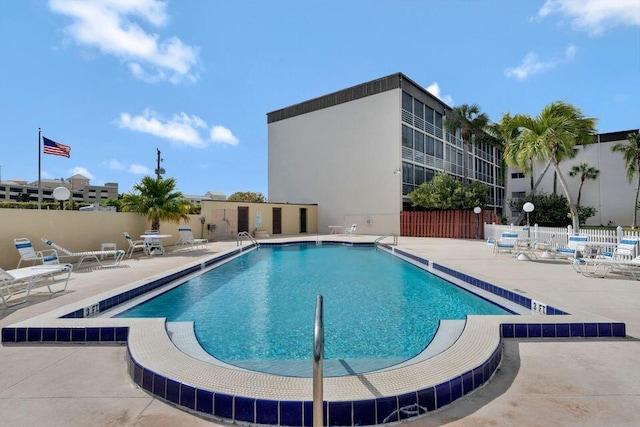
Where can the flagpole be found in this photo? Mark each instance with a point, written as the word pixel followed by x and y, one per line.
pixel 39 168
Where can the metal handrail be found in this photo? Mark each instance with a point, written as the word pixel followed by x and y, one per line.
pixel 246 234
pixel 318 355
pixel 379 239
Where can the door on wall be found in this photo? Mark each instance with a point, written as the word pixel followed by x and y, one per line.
pixel 277 221
pixel 243 219
pixel 303 220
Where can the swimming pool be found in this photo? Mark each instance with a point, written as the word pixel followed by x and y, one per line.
pixel 260 307
pixel 238 396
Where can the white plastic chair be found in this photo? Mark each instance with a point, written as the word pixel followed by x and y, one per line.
pixel 186 239
pixel 134 244
pixel 351 230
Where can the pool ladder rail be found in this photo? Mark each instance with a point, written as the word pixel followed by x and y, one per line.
pixel 246 234
pixel 380 239
pixel 318 356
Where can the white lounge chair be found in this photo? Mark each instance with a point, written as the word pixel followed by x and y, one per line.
pixel 506 243
pixel 20 280
pixel 351 230
pixel 601 267
pixel 27 253
pixel 576 244
pixel 118 254
pixel 186 238
pixel 627 248
pixel 134 244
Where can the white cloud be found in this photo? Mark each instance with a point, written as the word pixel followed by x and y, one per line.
pixel 223 135
pixel 139 169
pixel 110 26
pixel 79 170
pixel 116 165
pixel 532 64
pixel 133 168
pixel 180 128
pixel 594 16
pixel 434 89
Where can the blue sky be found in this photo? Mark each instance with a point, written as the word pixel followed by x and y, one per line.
pixel 116 80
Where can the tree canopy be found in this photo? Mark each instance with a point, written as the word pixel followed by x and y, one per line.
pixel 247 196
pixel 156 199
pixel 446 192
pixel 471 122
pixel 551 137
pixel 552 210
pixel 585 172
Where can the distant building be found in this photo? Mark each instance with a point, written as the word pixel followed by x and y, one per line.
pixel 359 152
pixel 19 190
pixel 209 195
pixel 611 194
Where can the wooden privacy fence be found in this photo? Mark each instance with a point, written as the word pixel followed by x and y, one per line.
pixel 457 224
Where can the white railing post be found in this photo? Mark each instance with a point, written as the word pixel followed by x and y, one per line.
pixel 619 233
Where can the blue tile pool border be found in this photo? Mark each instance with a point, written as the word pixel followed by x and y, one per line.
pixel 242 409
pixel 381 410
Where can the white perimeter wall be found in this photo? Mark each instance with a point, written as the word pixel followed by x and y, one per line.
pixel 611 194
pixel 342 158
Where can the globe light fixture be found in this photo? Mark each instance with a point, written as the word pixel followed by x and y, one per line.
pixel 528 208
pixel 477 211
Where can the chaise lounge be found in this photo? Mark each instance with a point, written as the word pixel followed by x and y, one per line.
pixel 118 254
pixel 24 279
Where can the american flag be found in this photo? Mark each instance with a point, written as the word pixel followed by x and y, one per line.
pixel 55 148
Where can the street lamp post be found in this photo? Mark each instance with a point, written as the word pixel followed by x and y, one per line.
pixel 528 208
pixel 202 221
pixel 477 211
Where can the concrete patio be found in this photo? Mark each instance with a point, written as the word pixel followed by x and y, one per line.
pixel 581 382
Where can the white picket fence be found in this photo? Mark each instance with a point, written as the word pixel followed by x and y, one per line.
pixel 558 236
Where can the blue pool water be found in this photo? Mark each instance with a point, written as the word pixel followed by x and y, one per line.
pixel 261 306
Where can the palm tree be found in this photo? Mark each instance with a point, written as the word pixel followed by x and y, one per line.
pixel 471 123
pixel 509 132
pixel 156 199
pixel 550 137
pixel 560 157
pixel 631 154
pixel 585 172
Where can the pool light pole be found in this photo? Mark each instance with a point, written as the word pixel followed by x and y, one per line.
pixel 528 208
pixel 477 211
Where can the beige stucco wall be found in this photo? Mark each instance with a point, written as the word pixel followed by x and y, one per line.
pixel 224 215
pixel 84 231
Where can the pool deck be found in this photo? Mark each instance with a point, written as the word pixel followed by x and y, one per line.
pixel 577 381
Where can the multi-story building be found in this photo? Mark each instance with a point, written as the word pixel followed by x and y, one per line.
pixel 360 151
pixel 610 193
pixel 78 185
